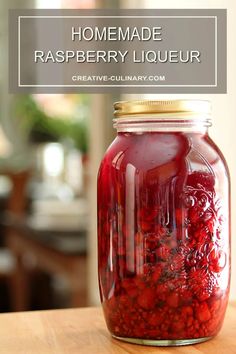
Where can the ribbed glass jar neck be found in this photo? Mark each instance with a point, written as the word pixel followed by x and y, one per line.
pixel 163 123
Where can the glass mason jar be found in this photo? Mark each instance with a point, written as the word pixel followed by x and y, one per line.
pixel 163 225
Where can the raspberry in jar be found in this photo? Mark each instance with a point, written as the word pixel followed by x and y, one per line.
pixel 163 225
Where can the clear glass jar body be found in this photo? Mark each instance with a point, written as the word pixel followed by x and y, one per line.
pixel 163 235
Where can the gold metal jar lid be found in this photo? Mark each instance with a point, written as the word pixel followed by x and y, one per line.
pixel 123 109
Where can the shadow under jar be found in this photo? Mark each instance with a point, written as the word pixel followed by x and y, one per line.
pixel 163 225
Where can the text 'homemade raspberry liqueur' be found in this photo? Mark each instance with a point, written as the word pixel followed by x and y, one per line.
pixel 163 225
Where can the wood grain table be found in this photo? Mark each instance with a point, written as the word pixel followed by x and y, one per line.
pixel 83 331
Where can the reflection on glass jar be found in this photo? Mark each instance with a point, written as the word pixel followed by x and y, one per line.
pixel 163 225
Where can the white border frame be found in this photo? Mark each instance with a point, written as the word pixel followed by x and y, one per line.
pixel 140 86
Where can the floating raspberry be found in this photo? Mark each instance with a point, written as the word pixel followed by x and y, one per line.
pixel 177 326
pixel 187 311
pixel 130 287
pixel 163 253
pixel 140 282
pixel 147 299
pixel 203 313
pixel 146 270
pixel 186 296
pixel 156 318
pixel 177 263
pixel 162 291
pixel 202 234
pixel 173 300
pixel 194 214
pixel 157 273
pixel 204 179
pixel 201 283
pixel 151 241
pixel 193 258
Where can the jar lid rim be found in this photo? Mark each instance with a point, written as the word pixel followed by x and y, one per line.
pixel 148 107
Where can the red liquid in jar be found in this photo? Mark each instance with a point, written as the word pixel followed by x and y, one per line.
pixel 163 241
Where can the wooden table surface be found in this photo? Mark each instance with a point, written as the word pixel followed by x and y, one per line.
pixel 83 331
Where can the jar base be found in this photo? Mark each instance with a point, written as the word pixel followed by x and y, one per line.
pixel 163 342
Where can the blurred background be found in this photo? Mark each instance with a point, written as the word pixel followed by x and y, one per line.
pixel 50 150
